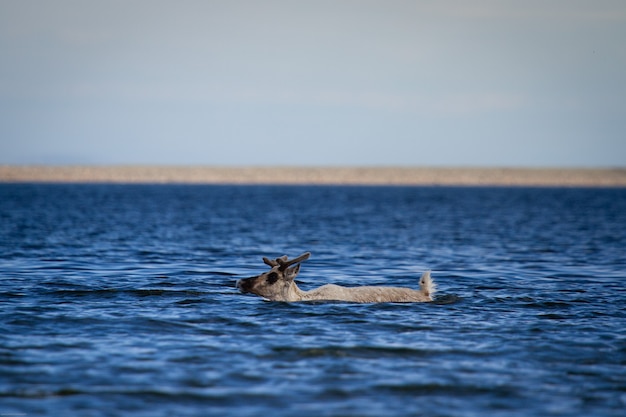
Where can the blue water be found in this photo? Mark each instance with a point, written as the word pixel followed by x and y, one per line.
pixel 120 300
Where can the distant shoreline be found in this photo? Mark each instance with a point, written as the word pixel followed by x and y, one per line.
pixel 542 177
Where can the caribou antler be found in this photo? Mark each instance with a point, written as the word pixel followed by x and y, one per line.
pixel 276 262
pixel 270 262
pixel 284 263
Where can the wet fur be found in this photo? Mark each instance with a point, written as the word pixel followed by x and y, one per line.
pixel 278 285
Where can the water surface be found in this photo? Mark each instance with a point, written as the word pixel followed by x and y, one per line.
pixel 120 300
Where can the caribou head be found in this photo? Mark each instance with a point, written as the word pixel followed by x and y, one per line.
pixel 278 283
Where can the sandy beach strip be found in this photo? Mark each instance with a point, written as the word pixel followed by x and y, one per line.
pixel 316 175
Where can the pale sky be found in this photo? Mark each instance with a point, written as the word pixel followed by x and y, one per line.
pixel 402 83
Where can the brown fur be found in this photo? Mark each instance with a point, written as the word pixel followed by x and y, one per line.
pixel 278 285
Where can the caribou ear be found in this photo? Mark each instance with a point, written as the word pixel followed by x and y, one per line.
pixel 290 273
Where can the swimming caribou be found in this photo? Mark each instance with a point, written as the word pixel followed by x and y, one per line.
pixel 278 284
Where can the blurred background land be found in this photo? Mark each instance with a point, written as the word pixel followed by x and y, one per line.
pixel 317 175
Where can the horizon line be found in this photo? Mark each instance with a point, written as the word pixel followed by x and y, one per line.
pixel 315 175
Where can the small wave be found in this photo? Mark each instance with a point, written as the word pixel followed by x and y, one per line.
pixel 40 393
pixel 445 299
pixel 452 389
pixel 116 292
pixel 553 316
pixel 188 301
pixel 548 304
pixel 364 352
